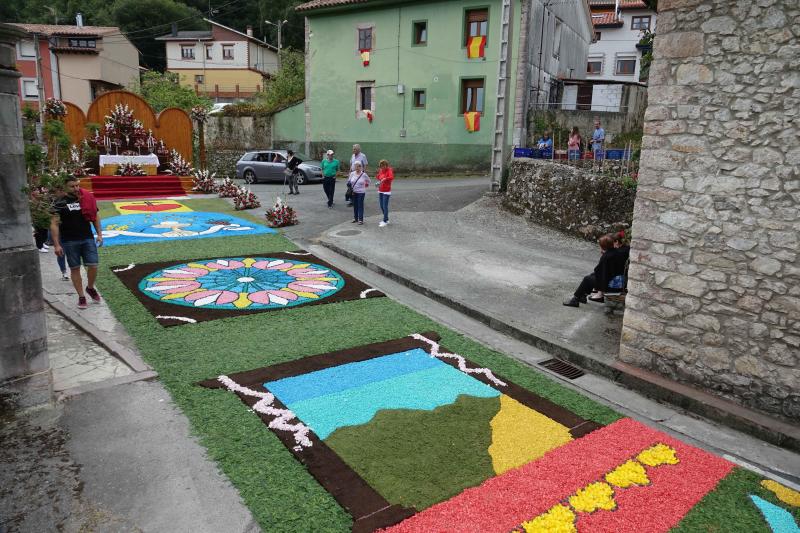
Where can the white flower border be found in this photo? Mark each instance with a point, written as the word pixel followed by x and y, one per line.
pixel 264 406
pixel 462 363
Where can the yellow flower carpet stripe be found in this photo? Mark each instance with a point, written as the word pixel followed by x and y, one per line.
pixel 784 494
pixel 629 474
pixel 559 519
pixel 594 496
pixel 521 435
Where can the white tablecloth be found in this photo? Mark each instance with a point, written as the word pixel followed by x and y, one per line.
pixel 150 159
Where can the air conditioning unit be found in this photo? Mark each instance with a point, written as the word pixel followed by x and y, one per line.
pixel 401 89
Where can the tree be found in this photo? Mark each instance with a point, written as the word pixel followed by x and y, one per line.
pixel 143 20
pixel 163 90
pixel 288 85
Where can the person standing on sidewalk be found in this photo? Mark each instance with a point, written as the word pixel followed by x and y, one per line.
pixel 358 183
pixel 72 237
pixel 330 167
pixel 598 140
pixel 357 157
pixel 292 166
pixel 385 178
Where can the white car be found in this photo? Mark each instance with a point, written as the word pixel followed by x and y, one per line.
pixel 218 107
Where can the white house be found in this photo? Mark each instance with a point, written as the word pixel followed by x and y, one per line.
pixel 221 62
pixel 614 60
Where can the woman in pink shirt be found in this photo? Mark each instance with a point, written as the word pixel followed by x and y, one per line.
pixel 385 177
pixel 574 145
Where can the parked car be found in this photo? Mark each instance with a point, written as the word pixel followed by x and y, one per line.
pixel 268 165
pixel 218 108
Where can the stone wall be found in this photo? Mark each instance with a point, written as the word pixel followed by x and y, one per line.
pixel 569 199
pixel 715 278
pixel 238 133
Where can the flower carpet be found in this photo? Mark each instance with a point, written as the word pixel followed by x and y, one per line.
pixel 153 226
pixel 189 291
pixel 581 465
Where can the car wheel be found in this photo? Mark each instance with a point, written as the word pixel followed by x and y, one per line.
pixel 249 177
pixel 301 178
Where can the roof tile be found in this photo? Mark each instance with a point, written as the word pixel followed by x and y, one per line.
pixel 53 29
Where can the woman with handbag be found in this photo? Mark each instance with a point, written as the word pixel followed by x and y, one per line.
pixel 357 185
pixel 291 167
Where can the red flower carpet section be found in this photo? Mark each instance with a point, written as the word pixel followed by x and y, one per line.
pixel 624 477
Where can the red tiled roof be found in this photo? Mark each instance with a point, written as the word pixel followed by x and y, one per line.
pixel 605 20
pixel 319 4
pixel 52 29
pixel 623 4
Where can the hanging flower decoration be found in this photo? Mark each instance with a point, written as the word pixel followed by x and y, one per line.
pixel 369 115
pixel 245 199
pixel 130 169
pixel 203 181
pixel 76 165
pixel 199 114
pixel 55 108
pixel 281 215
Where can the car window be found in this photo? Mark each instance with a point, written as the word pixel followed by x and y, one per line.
pixel 265 157
pixel 248 157
pixel 279 158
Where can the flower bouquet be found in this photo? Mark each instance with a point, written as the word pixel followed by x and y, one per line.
pixel 228 189
pixel 130 169
pixel 245 200
pixel 199 114
pixel 178 166
pixel 203 181
pixel 281 215
pixel 55 108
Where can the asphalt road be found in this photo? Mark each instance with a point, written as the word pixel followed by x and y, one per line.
pixel 408 194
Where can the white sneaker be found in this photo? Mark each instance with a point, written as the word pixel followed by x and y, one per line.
pixel 65 275
pixel 382 224
pixel 43 250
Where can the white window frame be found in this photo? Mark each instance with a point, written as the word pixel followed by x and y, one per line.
pixel 200 79
pixel 23 94
pixel 593 59
pixel 557 29
pixel 232 48
pixel 189 47
pixel 625 57
pixel 32 45
pixel 359 109
pixel 209 51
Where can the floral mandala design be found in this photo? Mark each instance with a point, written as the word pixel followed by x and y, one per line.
pixel 247 283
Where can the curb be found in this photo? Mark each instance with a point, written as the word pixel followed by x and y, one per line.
pixel 653 385
pixel 124 354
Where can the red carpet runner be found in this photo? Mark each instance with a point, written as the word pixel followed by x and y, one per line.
pixel 108 187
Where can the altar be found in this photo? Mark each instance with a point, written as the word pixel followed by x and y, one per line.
pixel 110 163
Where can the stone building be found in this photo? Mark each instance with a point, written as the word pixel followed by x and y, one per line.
pixel 715 278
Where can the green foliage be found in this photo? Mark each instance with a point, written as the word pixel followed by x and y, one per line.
pixel 629 182
pixel 42 193
pixel 92 128
pixel 285 88
pixel 547 121
pixel 58 141
pixel 34 159
pixel 29 113
pixel 622 140
pixel 162 90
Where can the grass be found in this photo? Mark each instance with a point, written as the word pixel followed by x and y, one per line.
pixel 278 490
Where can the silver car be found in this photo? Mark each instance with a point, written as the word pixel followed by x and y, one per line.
pixel 268 165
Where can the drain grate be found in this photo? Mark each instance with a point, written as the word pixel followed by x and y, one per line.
pixel 562 368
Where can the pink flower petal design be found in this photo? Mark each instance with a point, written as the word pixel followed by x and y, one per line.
pixel 208 297
pixel 265 265
pixel 307 272
pixel 279 265
pixel 320 285
pixel 272 296
pixel 171 287
pixel 184 273
pixel 300 287
pixel 224 264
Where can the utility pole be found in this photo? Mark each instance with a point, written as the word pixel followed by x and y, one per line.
pixel 279 25
pixel 39 81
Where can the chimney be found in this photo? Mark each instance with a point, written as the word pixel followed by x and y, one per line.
pixel 249 31
pixel 174 29
pixel 79 20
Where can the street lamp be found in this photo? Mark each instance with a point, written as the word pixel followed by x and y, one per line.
pixel 278 25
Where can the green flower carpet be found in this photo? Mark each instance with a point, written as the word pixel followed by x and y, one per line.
pixel 363 415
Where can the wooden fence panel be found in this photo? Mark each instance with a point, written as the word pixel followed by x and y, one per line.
pixel 75 123
pixel 175 127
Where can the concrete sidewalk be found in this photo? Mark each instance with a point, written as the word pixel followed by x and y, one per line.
pixel 486 260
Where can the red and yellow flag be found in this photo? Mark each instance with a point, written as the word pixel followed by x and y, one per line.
pixel 472 119
pixel 365 56
pixel 476 46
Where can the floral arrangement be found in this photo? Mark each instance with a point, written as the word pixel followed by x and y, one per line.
pixel 178 166
pixel 77 160
pixel 203 181
pixel 245 199
pixel 281 215
pixel 130 169
pixel 199 114
pixel 228 189
pixel 54 107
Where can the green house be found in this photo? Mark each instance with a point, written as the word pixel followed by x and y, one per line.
pixel 398 76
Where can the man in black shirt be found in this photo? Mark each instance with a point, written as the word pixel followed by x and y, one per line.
pixel 72 237
pixel 292 165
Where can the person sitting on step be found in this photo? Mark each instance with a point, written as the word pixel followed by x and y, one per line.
pixel 613 257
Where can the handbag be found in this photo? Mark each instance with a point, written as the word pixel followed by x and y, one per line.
pixel 350 186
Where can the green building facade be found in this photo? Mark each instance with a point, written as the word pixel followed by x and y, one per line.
pixel 416 87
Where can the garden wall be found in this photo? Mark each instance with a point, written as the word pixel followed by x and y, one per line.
pixel 238 133
pixel 569 199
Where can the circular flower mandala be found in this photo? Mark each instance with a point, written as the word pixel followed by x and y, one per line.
pixel 247 283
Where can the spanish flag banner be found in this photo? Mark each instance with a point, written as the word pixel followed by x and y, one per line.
pixel 365 56
pixel 472 119
pixel 476 46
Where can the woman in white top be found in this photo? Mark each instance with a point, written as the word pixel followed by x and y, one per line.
pixel 358 182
